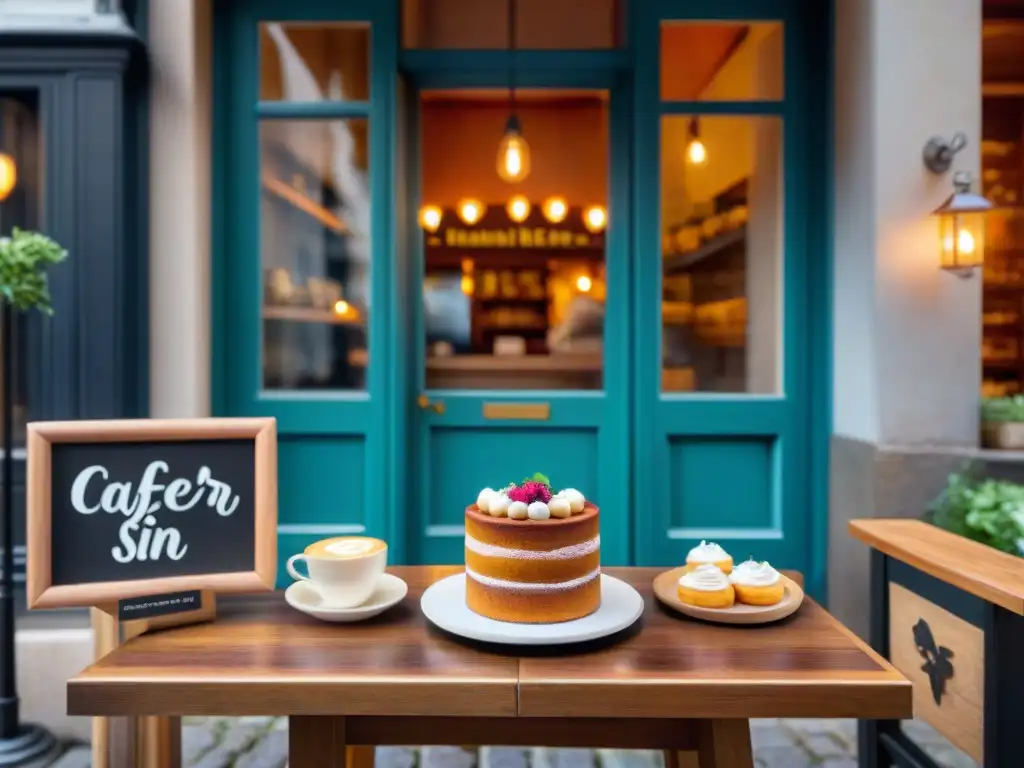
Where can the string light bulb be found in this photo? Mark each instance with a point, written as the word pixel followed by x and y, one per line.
pixel 584 284
pixel 8 175
pixel 595 218
pixel 471 211
pixel 518 209
pixel 430 218
pixel 555 209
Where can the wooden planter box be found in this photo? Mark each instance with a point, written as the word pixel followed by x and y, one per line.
pixel 1004 435
pixel 948 613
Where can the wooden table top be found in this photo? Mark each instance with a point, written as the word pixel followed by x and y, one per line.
pixel 261 657
pixel 970 565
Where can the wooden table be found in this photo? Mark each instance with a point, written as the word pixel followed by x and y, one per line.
pixel 676 685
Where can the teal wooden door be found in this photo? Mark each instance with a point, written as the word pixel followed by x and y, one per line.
pixel 303 98
pixel 723 287
pixel 470 437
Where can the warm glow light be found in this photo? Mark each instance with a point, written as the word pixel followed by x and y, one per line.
pixel 471 211
pixel 430 218
pixel 513 153
pixel 696 152
pixel 556 209
pixel 595 218
pixel 8 175
pixel 467 284
pixel 341 307
pixel 584 283
pixel 518 209
pixel 965 244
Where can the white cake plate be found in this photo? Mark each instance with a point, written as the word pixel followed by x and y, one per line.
pixel 444 605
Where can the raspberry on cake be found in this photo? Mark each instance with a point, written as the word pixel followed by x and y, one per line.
pixel 533 556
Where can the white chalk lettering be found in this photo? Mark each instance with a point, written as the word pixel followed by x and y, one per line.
pixel 140 536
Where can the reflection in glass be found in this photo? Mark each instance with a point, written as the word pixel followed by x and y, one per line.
pixel 315 253
pixel 514 298
pixel 721 61
pixel 314 62
pixel 722 251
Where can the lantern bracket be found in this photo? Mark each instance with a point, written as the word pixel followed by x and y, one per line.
pixel 939 152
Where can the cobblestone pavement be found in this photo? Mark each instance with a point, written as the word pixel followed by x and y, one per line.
pixel 263 742
pixel 260 742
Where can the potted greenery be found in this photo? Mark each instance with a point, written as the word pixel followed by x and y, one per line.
pixel 1002 422
pixel 985 510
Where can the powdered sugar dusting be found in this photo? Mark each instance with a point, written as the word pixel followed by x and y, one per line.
pixel 524 586
pixel 570 552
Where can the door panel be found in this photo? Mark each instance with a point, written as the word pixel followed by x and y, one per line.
pixel 722 406
pixel 559 403
pixel 301 285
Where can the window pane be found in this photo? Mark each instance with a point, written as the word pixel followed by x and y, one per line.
pixel 722 240
pixel 483 24
pixel 721 61
pixel 514 300
pixel 315 252
pixel 314 62
pixel 20 140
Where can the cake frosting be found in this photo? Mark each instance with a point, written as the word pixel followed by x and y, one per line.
pixel 754 574
pixel 705 578
pixel 707 552
pixel 533 555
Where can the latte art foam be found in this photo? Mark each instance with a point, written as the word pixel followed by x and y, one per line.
pixel 346 548
pixel 350 547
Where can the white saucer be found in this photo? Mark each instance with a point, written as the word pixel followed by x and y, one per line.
pixel 444 604
pixel 302 596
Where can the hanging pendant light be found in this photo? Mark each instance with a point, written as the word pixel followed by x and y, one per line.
pixel 513 149
pixel 696 151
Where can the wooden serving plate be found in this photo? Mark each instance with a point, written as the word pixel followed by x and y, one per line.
pixel 665 591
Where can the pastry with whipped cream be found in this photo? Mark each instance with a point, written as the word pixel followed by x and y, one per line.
pixel 707 552
pixel 706 586
pixel 533 556
pixel 757 583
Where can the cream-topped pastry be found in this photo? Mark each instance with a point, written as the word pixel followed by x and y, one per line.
pixel 709 552
pixel 706 586
pixel 757 583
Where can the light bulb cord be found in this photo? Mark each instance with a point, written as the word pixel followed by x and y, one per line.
pixel 512 9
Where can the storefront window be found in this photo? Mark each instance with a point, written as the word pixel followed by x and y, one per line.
pixel 20 141
pixel 514 286
pixel 541 25
pixel 315 252
pixel 721 61
pixel 721 212
pixel 314 62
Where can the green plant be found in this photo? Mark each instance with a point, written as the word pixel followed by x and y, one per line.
pixel 1002 409
pixel 24 259
pixel 985 510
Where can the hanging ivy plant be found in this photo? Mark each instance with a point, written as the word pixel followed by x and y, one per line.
pixel 25 258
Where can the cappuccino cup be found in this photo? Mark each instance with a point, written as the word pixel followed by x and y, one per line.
pixel 343 570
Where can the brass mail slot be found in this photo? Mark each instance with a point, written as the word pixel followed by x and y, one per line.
pixel 531 411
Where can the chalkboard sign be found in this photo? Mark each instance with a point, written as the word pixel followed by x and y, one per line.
pixel 124 509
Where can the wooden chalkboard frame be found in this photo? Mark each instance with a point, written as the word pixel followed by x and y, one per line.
pixel 41 591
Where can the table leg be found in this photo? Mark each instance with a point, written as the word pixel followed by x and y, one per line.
pixel 316 742
pixel 724 744
pixel 674 759
pixel 360 757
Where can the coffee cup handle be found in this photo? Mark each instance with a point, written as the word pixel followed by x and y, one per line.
pixel 292 571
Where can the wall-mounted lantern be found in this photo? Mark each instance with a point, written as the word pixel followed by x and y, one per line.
pixel 962 216
pixel 962 228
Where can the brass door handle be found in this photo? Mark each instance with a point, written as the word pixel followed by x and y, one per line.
pixel 425 403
